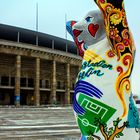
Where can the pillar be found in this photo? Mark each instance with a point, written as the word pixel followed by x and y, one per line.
pixel 67 93
pixel 18 36
pixel 0 80
pixel 9 82
pixel 53 44
pixel 37 83
pixel 66 47
pixel 53 85
pixel 17 81
pixel 37 40
pixel 79 68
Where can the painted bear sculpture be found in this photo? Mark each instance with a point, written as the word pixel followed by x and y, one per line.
pixel 103 102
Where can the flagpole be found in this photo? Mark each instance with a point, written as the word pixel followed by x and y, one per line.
pixel 66 32
pixel 37 17
pixel 65 26
pixel 37 24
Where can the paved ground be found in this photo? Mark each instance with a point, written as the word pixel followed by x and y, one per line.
pixel 38 124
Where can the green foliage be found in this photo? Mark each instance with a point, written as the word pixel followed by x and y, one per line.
pixel 115 123
pixel 119 135
pixel 111 131
pixel 90 138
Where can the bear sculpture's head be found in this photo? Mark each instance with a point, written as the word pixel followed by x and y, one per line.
pixel 88 31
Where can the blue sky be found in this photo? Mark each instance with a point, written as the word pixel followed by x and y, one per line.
pixel 22 13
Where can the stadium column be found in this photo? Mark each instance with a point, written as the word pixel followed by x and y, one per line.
pixel 79 68
pixel 17 81
pixel 53 85
pixel 67 94
pixel 37 83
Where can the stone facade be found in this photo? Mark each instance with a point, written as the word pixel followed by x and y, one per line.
pixel 34 75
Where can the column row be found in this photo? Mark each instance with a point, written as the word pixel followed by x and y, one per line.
pixel 37 83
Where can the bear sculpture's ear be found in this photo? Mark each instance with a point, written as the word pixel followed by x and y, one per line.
pixel 69 26
pixel 80 45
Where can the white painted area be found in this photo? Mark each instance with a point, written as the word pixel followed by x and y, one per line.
pixel 138 106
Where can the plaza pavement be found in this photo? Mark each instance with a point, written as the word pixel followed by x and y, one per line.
pixel 38 124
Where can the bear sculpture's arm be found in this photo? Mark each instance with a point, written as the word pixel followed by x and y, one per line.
pixel 121 42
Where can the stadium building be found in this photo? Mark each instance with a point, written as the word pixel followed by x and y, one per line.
pixel 36 68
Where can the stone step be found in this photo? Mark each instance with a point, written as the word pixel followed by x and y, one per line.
pixel 37 127
pixel 38 124
pixel 44 134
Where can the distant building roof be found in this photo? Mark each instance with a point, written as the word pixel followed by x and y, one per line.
pixel 17 34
